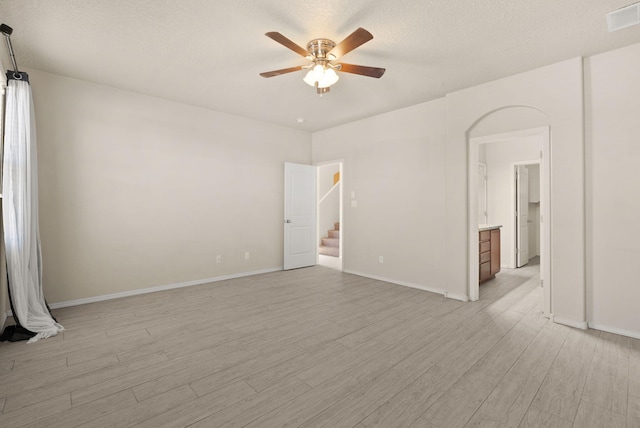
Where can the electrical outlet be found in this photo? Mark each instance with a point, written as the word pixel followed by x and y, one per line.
pixel 218 258
pixel 246 255
pixel 380 259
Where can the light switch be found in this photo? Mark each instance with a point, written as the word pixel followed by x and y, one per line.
pixel 354 204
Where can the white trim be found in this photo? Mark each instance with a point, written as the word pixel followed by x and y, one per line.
pixel 621 332
pixel 157 288
pixel 582 325
pixel 459 297
pixel 411 285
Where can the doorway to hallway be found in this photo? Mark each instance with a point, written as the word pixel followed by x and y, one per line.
pixel 330 226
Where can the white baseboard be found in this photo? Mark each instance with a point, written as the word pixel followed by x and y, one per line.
pixel 104 297
pixel 582 325
pixel 410 284
pixel 621 332
pixel 454 296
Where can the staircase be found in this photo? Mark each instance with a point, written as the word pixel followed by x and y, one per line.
pixel 330 246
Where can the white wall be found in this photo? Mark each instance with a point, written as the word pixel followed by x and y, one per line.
pixel 482 154
pixel 612 111
pixel 500 157
pixel 138 192
pixel 393 163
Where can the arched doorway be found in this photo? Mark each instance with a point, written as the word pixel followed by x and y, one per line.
pixel 481 133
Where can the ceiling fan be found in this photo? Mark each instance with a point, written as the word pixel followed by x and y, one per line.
pixel 323 53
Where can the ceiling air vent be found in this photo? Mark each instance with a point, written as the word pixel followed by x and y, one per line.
pixel 623 18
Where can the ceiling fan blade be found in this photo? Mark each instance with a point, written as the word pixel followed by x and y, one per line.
pixel 353 40
pixel 287 43
pixel 281 71
pixel 362 70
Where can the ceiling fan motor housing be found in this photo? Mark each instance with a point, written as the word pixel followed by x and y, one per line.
pixel 320 48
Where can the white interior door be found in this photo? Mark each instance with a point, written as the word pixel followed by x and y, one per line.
pixel 522 215
pixel 299 216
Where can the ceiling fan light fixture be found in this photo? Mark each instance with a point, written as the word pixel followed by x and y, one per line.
pixel 329 78
pixel 318 72
pixel 321 76
pixel 309 79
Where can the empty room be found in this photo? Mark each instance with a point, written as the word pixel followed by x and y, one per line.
pixel 320 214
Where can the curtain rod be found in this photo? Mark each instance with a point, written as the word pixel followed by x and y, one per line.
pixel 15 73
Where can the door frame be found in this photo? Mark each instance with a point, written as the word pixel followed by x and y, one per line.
pixel 544 132
pixel 514 208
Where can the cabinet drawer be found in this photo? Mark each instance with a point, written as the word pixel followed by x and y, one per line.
pixel 485 257
pixel 485 235
pixel 485 271
pixel 485 246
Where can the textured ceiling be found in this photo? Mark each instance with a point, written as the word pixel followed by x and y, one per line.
pixel 209 53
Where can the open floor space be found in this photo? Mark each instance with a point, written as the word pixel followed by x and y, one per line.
pixel 318 347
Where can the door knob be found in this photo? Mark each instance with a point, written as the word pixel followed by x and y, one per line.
pixel 287 221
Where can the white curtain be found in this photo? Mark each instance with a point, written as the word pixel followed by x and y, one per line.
pixel 20 214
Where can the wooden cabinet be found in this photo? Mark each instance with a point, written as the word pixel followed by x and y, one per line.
pixel 489 254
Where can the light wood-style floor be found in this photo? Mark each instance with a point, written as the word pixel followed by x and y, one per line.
pixel 317 347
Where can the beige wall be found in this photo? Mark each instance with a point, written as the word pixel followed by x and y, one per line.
pixel 394 164
pixel 613 189
pixel 139 192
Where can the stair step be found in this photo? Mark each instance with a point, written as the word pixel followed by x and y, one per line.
pixel 331 242
pixel 334 234
pixel 329 251
pixel 336 226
